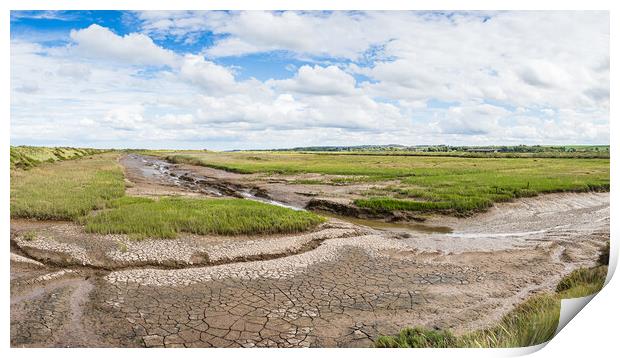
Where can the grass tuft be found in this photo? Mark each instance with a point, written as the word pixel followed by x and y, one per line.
pixel 603 258
pixel 418 338
pixel 590 279
pixel 29 235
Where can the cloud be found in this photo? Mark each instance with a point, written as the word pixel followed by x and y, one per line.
pixel 28 88
pixel 178 25
pixel 206 74
pixel 471 119
pixel 75 71
pixel 338 34
pixel 544 74
pixel 346 78
pixel 317 34
pixel 99 42
pixel 128 117
pixel 317 80
pixel 46 15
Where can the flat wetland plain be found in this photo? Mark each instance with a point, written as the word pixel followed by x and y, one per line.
pixel 225 249
pixel 422 183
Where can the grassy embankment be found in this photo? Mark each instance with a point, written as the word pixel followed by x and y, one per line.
pixel 532 322
pixel 72 189
pixel 26 157
pixel 421 183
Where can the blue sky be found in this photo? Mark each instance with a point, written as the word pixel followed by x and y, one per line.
pixel 241 80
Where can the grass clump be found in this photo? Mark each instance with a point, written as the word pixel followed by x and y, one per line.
pixel 582 281
pixel 389 204
pixel 166 217
pixel 603 257
pixel 29 235
pixel 530 323
pixel 66 190
pixel 418 338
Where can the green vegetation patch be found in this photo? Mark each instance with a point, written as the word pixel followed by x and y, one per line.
pixel 418 338
pixel 532 322
pixel 26 157
pixel 66 190
pixel 582 282
pixel 389 204
pixel 166 217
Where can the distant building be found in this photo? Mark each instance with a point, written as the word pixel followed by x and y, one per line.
pixel 483 150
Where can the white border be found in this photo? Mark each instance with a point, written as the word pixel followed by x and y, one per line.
pixel 593 332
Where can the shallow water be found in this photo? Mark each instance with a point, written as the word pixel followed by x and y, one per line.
pixel 250 196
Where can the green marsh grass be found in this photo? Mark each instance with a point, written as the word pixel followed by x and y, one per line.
pixel 168 216
pixel 582 280
pixel 66 190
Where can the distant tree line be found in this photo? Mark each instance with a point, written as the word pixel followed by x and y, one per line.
pixel 450 148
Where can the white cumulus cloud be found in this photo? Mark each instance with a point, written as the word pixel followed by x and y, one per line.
pixel 100 42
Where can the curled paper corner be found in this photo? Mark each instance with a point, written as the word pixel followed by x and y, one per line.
pixel 569 307
pixel 613 260
pixel 522 351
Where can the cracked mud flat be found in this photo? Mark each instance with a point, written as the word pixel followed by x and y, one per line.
pixel 338 286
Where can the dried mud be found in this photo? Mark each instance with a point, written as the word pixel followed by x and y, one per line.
pixel 341 285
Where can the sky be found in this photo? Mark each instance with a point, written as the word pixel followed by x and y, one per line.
pixel 257 80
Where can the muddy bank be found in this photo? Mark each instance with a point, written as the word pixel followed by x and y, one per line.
pixel 146 173
pixel 340 285
pixel 67 245
pixel 143 172
pixel 343 291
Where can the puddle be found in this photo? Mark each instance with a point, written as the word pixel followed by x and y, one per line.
pixel 482 235
pixel 248 195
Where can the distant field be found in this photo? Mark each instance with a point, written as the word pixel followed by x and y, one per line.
pixel 514 151
pixel 166 217
pixel 26 157
pixel 465 154
pixel 422 183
